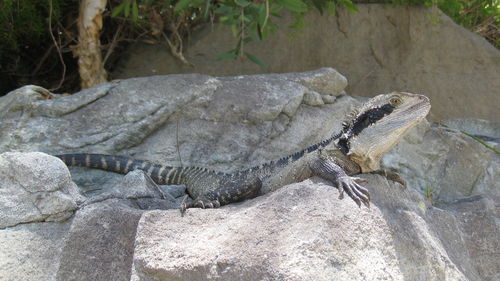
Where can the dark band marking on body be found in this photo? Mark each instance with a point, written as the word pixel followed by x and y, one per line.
pixel 362 122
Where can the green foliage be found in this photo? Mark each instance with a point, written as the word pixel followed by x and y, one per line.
pixel 428 193
pixel 249 20
pixel 27 49
pixel 252 20
pixel 471 13
pixel 23 23
pixel 481 16
pixel 127 8
pixel 482 142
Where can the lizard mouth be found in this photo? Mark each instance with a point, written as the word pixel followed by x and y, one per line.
pixel 423 105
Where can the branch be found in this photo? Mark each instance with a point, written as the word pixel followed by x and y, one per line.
pixel 58 49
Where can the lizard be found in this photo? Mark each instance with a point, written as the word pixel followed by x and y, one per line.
pixel 367 133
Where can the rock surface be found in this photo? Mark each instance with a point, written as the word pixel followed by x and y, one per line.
pixel 95 244
pixel 487 130
pixel 32 251
pixel 300 232
pixel 100 243
pixel 35 187
pixel 224 123
pixel 381 48
pixel 449 163
pixel 303 232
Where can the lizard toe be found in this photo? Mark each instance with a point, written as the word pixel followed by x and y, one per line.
pixel 354 190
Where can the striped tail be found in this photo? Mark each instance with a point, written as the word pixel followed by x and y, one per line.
pixel 159 173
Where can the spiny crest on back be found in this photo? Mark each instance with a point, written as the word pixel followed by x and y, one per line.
pixel 347 123
pixel 354 115
pixel 370 112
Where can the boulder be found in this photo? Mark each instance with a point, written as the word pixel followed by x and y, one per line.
pixel 35 187
pixel 100 243
pixel 40 238
pixel 304 232
pixel 32 251
pixel 486 130
pixel 446 162
pixel 468 229
pixel 120 229
pixel 223 123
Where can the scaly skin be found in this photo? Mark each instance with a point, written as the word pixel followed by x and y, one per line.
pixel 368 133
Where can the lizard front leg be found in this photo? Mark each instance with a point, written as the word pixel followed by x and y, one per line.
pixel 233 191
pixel 329 170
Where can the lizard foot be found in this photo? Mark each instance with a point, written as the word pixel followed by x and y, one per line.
pixel 390 175
pixel 235 191
pixel 202 203
pixel 357 192
pixel 329 170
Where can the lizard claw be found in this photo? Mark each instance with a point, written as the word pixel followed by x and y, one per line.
pixel 357 192
pixel 233 192
pixel 202 203
pixel 329 170
pixel 390 175
pixel 358 179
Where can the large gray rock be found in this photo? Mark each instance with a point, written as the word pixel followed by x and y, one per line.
pixel 486 130
pixel 228 122
pixel 304 232
pixel 32 251
pixel 100 243
pixel 35 187
pixel 469 230
pixel 477 127
pixel 96 244
pixel 300 232
pixel 140 187
pixel 379 49
pixel 446 162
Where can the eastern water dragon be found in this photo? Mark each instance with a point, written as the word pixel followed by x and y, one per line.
pixel 367 134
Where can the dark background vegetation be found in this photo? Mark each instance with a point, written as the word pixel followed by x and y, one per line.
pixel 37 37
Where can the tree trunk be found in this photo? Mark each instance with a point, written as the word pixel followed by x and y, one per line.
pixel 90 63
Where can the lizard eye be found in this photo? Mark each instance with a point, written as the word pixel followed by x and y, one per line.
pixel 395 101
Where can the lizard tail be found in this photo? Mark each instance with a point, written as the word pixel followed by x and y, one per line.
pixel 119 164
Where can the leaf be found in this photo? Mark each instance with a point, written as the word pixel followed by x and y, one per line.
pixel 482 142
pixel 261 15
pixel 206 10
pixel 294 5
pixel 181 5
pixel 223 10
pixel 349 5
pixel 127 9
pixel 227 55
pixel 242 3
pixel 135 11
pixel 275 8
pixel 246 19
pixel 118 10
pixel 247 39
pixel 331 8
pixel 184 4
pixel 235 29
pixel 259 31
pixel 255 60
pixel 320 5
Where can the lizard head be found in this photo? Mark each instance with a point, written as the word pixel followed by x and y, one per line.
pixel 378 125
